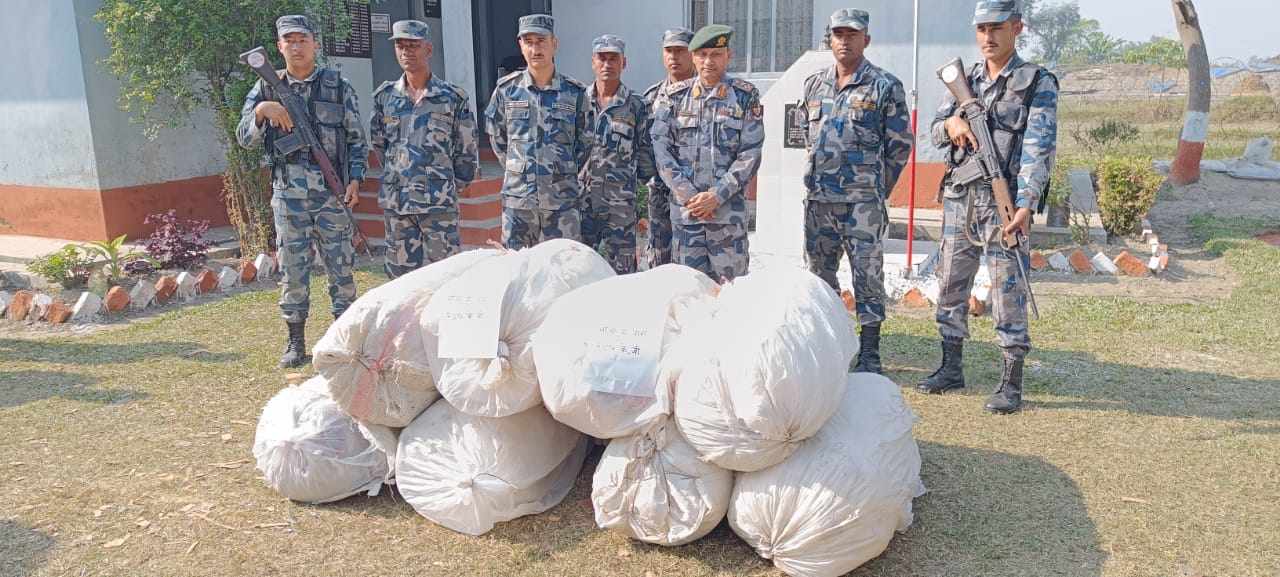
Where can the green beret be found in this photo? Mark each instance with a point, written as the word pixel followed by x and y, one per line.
pixel 711 36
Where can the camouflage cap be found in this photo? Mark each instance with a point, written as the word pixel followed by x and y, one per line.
pixel 711 36
pixel 608 43
pixel 995 11
pixel 542 24
pixel 410 30
pixel 292 23
pixel 677 37
pixel 849 18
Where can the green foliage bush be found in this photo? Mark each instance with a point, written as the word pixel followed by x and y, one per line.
pixel 68 267
pixel 1127 188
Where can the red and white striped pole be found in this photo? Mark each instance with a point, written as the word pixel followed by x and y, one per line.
pixel 1195 127
pixel 915 118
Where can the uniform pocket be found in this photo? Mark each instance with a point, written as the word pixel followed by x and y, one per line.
pixel 515 175
pixel 728 129
pixel 329 113
pixel 518 124
pixel 1010 116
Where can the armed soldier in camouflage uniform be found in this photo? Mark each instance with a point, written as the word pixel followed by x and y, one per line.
pixel 425 133
pixel 707 140
pixel 859 140
pixel 678 62
pixel 622 155
pixel 306 212
pixel 537 124
pixel 1022 100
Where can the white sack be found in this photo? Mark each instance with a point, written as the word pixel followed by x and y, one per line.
pixel 590 385
pixel 309 450
pixel 835 503
pixel 767 371
pixel 468 473
pixel 374 356
pixel 654 487
pixel 507 383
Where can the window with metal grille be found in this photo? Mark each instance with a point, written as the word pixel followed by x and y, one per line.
pixel 769 35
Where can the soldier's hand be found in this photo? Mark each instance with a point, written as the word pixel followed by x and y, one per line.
pixel 1021 222
pixel 353 194
pixel 703 204
pixel 960 133
pixel 275 113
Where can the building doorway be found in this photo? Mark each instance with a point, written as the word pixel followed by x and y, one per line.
pixel 495 26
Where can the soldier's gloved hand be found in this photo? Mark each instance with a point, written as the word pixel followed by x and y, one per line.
pixel 275 113
pixel 960 133
pixel 353 194
pixel 703 204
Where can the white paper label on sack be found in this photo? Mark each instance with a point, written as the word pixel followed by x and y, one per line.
pixel 472 314
pixel 622 353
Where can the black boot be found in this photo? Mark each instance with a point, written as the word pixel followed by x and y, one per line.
pixel 869 350
pixel 1008 396
pixel 950 374
pixel 295 353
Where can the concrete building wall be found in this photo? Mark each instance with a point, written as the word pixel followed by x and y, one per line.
pixel 46 139
pixel 124 155
pixel 639 24
pixel 459 48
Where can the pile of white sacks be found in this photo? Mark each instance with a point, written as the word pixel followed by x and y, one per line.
pixel 714 401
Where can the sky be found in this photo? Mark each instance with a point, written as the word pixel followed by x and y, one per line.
pixel 1232 28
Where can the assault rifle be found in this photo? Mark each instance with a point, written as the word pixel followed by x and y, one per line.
pixel 985 164
pixel 303 135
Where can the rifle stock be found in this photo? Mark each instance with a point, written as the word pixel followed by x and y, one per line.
pixel 294 104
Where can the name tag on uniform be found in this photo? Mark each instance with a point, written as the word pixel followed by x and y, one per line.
pixel 565 106
pixel 518 109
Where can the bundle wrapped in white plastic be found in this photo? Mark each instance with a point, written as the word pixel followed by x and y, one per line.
pixel 309 450
pixel 485 320
pixel 766 372
pixel 374 357
pixel 468 473
pixel 598 351
pixel 836 502
pixel 654 487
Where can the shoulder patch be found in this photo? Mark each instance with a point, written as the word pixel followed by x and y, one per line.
pixel 510 77
pixel 386 85
pixel 574 82
pixel 678 87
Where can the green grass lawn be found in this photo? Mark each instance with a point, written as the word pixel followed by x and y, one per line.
pixel 1151 447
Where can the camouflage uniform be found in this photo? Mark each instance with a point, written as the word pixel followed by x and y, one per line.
pixel 659 197
pixel 1023 102
pixel 859 140
pixel 430 155
pixel 306 211
pixel 542 138
pixel 621 155
pixel 709 138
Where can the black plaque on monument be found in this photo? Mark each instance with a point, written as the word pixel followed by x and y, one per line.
pixel 797 123
pixel 431 9
pixel 359 43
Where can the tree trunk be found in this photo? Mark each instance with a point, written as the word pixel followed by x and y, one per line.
pixel 245 188
pixel 1195 129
